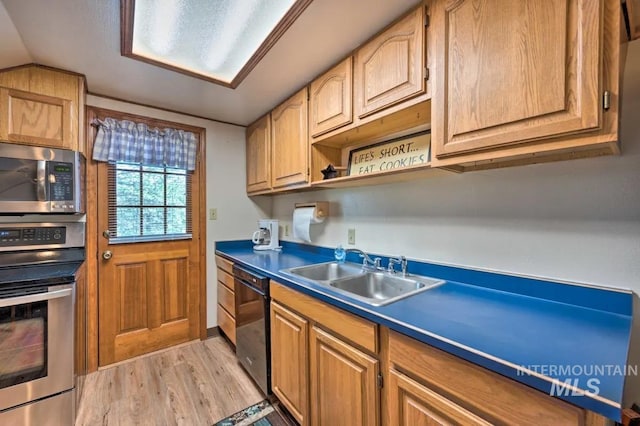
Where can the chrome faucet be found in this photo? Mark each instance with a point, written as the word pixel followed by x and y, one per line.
pixel 402 261
pixel 367 262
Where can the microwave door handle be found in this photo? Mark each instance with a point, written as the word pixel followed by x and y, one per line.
pixel 31 298
pixel 42 180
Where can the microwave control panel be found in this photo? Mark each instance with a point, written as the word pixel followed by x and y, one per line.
pixel 61 181
pixel 45 235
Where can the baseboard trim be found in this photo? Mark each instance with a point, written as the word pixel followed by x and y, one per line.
pixel 213 332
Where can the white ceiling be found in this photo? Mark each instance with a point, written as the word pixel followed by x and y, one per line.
pixel 84 36
pixel 12 50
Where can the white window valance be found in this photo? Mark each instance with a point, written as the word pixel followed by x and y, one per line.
pixel 126 141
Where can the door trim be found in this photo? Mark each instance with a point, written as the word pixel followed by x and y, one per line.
pixel 92 222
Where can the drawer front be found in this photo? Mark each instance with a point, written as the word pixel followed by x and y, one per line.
pixel 224 264
pixel 227 324
pixel 482 392
pixel 355 329
pixel 226 279
pixel 227 299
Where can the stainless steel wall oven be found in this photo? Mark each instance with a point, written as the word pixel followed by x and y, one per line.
pixel 38 263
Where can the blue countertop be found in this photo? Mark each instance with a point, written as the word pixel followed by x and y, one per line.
pixel 541 333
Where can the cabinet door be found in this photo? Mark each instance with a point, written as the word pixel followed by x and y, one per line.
pixel 411 404
pixel 259 155
pixel 390 68
pixel 331 103
pixel 290 142
pixel 511 72
pixel 343 383
pixel 290 361
pixel 29 118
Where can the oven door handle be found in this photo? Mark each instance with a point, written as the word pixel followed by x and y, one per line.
pixel 31 298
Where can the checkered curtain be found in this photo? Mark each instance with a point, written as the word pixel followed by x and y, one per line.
pixel 129 142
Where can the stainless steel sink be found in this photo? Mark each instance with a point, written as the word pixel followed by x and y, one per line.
pixel 380 288
pixel 374 287
pixel 327 271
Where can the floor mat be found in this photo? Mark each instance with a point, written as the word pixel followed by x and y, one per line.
pixel 260 414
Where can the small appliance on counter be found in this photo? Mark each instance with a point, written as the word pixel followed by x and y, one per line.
pixel 266 237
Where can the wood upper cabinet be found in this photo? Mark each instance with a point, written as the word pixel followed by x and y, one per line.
pixel 42 107
pixel 259 155
pixel 290 142
pixel 411 403
pixel 508 73
pixel 290 361
pixel 331 97
pixel 344 386
pixel 391 67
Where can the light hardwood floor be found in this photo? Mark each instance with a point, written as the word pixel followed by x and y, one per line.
pixel 195 384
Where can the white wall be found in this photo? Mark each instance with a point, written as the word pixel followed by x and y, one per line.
pixel 573 220
pixel 237 214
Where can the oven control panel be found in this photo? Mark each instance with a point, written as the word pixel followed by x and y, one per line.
pixel 45 235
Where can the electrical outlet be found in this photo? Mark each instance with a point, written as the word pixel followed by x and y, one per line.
pixel 213 214
pixel 351 236
pixel 286 230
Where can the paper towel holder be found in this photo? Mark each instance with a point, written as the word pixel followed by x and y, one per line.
pixel 322 208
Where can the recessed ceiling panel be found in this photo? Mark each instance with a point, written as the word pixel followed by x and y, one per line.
pixel 219 40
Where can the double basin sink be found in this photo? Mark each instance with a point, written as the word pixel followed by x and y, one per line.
pixel 372 286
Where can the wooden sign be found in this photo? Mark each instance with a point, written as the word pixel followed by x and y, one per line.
pixel 400 153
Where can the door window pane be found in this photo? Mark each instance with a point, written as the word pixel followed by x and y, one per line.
pixel 148 202
pixel 176 220
pixel 152 189
pixel 152 221
pixel 128 219
pixel 176 190
pixel 128 189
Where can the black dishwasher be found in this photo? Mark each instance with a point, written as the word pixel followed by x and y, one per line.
pixel 253 347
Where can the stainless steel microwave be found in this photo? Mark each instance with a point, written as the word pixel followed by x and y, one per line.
pixel 40 180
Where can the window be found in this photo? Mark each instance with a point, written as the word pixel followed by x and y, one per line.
pixel 148 203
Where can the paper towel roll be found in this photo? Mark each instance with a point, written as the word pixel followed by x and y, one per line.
pixel 302 220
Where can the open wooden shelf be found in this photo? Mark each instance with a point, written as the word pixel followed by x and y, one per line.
pixel 380 178
pixel 401 120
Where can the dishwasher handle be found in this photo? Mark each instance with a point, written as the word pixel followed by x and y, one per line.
pixel 251 287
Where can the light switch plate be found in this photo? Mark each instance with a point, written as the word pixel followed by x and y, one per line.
pixel 213 214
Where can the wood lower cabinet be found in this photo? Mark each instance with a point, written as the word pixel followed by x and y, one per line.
pixel 290 358
pixel 259 156
pixel 430 386
pixel 290 143
pixel 330 367
pixel 43 107
pixel 391 67
pixel 411 403
pixel 226 315
pixel 343 382
pixel 324 366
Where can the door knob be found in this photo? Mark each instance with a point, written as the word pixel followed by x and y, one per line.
pixel 106 234
pixel 106 255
